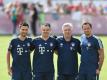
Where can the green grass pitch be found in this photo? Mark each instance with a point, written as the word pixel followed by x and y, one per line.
pixel 4 42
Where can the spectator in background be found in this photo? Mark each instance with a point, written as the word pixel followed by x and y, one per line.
pixel 34 18
pixel 1 2
pixel 55 11
pixel 13 15
pixel 20 14
pixel 48 6
pixel 91 8
pixel 101 10
pixel 8 9
pixel 41 14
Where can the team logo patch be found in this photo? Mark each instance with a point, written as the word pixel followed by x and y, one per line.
pixel 61 44
pixel 18 45
pixel 89 44
pixel 73 44
pixel 51 44
pixel 26 51
pixel 40 45
pixel 51 50
pixel 71 48
pixel 47 50
pixel 28 44
pixel 45 43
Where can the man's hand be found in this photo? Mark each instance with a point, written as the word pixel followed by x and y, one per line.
pixel 10 71
pixel 97 71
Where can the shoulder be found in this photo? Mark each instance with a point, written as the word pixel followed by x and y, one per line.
pixel 14 40
pixel 59 38
pixel 96 38
pixel 76 40
pixel 29 38
pixel 37 38
pixel 98 41
pixel 52 38
pixel 82 36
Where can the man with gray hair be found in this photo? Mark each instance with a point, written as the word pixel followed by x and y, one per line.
pixel 67 48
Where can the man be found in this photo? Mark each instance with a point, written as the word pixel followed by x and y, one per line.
pixel 92 54
pixel 33 20
pixel 44 45
pixel 14 18
pixel 68 46
pixel 19 49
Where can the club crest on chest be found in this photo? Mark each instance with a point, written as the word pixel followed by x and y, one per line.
pixel 61 44
pixel 72 44
pixel 88 44
pixel 51 44
pixel 28 44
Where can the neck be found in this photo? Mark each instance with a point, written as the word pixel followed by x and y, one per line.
pixel 44 37
pixel 89 35
pixel 67 38
pixel 21 37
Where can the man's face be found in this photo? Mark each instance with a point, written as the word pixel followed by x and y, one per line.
pixel 87 29
pixel 45 31
pixel 67 31
pixel 24 31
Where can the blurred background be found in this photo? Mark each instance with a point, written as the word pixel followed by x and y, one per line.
pixel 55 12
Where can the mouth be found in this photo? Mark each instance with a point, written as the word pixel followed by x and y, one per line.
pixel 24 34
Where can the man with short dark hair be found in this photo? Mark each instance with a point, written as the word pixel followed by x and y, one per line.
pixel 92 54
pixel 44 46
pixel 19 49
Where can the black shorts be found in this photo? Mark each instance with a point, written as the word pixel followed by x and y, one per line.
pixel 43 76
pixel 66 77
pixel 19 75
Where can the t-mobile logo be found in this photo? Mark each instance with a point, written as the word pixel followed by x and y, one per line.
pixel 41 49
pixel 19 51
